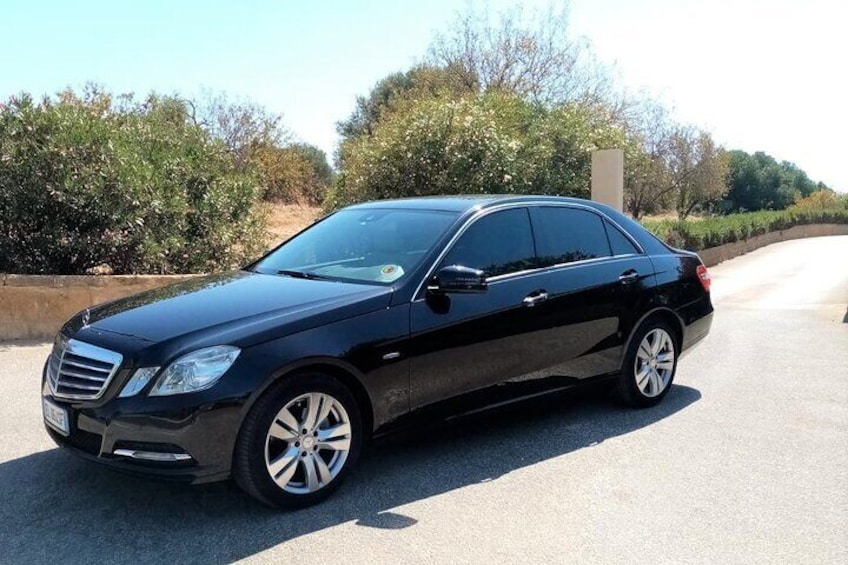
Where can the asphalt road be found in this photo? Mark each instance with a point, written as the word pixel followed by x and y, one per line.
pixel 746 461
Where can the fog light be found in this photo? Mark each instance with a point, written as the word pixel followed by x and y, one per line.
pixel 152 455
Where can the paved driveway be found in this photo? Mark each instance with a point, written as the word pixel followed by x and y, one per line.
pixel 745 462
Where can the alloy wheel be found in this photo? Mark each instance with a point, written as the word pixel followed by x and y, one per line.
pixel 308 443
pixel 654 364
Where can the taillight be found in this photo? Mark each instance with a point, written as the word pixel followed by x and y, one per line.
pixel 704 277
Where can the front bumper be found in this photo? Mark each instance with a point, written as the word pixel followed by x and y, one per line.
pixel 203 435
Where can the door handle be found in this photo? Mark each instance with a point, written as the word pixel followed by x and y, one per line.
pixel 628 277
pixel 532 299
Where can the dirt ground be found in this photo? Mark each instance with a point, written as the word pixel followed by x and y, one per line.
pixel 285 220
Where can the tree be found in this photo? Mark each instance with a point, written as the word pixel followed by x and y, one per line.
pixel 668 165
pixel 821 199
pixel 91 179
pixel 529 54
pixel 698 170
pixel 258 142
pixel 490 143
pixel 560 144
pixel 647 184
pixel 243 126
pixel 797 179
pixel 421 81
pixel 296 173
pixel 759 182
pixel 318 161
pixel 366 112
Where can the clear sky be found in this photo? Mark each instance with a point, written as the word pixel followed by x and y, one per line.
pixel 760 74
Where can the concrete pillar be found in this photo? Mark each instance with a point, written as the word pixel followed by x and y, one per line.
pixel 608 177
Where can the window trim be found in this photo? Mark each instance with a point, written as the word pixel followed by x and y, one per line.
pixel 558 266
pixel 418 296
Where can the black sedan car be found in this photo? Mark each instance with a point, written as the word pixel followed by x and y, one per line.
pixel 278 373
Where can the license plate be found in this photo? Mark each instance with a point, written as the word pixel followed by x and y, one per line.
pixel 56 417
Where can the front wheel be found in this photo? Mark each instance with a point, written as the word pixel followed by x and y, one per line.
pixel 649 365
pixel 298 442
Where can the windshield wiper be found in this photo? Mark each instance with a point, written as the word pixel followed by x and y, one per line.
pixel 302 275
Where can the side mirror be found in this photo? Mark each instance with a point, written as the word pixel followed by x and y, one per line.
pixel 458 279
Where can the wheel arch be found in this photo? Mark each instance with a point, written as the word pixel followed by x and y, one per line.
pixel 336 368
pixel 666 314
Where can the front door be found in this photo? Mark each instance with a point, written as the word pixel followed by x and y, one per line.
pixel 464 342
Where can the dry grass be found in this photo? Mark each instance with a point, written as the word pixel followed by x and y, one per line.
pixel 670 215
pixel 285 220
pixel 660 217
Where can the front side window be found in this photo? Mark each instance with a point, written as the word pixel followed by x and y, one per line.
pixel 378 246
pixel 566 235
pixel 498 244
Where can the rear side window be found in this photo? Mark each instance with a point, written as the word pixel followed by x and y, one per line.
pixel 497 244
pixel 565 235
pixel 618 241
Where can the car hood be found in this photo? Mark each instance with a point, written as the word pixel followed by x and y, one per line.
pixel 231 307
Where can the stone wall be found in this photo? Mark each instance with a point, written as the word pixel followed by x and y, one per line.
pixel 715 255
pixel 35 306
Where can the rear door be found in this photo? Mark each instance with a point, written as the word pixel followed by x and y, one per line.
pixel 593 273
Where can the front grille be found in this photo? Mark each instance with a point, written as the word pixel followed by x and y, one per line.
pixel 80 371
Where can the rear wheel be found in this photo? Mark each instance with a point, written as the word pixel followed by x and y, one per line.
pixel 299 441
pixel 649 365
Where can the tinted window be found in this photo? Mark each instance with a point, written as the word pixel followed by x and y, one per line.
pixel 362 245
pixel 499 243
pixel 565 235
pixel 619 242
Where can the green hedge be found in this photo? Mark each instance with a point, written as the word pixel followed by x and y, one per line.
pixel 138 187
pixel 711 232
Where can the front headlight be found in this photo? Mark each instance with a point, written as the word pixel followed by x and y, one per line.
pixel 196 371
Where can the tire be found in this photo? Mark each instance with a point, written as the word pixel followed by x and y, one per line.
pixel 308 466
pixel 647 373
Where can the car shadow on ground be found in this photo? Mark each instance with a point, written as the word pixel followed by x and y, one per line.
pixel 56 507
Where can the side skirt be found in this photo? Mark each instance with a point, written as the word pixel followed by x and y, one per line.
pixel 488 400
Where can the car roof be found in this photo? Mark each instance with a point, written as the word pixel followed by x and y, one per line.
pixel 464 202
pixel 468 204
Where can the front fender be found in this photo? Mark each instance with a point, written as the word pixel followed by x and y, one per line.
pixel 353 350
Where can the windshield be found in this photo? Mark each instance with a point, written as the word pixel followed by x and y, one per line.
pixel 373 245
